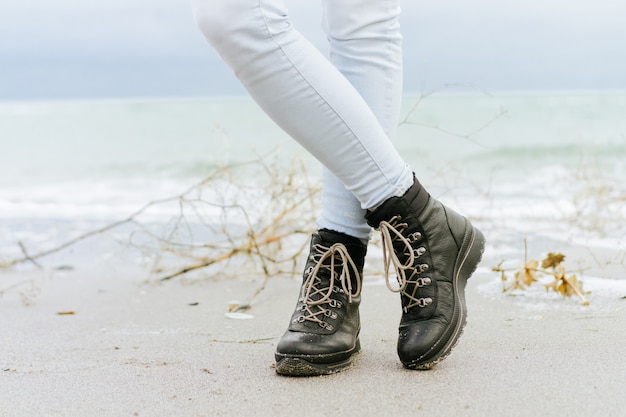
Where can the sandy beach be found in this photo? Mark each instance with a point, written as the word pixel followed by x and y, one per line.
pixel 129 146
pixel 108 342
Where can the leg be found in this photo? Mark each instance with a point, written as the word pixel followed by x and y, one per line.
pixel 434 248
pixel 305 94
pixel 366 48
pixel 317 105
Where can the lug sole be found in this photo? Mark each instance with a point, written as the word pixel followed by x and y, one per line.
pixel 304 366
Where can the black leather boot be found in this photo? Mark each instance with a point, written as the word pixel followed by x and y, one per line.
pixel 434 251
pixel 324 331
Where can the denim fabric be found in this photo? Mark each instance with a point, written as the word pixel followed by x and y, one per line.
pixel 343 110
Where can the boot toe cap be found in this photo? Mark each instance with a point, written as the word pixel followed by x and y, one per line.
pixel 418 342
pixel 316 347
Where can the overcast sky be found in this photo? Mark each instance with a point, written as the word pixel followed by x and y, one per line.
pixel 151 48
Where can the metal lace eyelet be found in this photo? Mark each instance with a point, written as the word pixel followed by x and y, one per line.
pixel 330 314
pixel 422 282
pixel 425 302
pixel 419 251
pixel 423 268
pixel 326 326
pixel 415 236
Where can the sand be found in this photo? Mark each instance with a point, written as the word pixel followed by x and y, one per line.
pixel 136 348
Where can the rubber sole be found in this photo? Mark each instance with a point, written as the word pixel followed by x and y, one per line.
pixel 466 263
pixel 305 366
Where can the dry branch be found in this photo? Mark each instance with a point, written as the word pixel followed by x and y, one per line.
pixel 272 209
pixel 530 271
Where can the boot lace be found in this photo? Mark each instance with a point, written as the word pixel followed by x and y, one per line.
pixel 407 272
pixel 317 292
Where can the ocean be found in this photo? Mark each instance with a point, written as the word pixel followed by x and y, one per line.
pixel 542 167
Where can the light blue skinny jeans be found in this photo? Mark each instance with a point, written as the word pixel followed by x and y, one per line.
pixel 343 110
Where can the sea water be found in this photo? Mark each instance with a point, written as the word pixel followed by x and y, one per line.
pixel 543 166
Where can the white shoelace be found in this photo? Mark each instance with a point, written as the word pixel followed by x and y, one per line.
pixel 339 258
pixel 392 230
